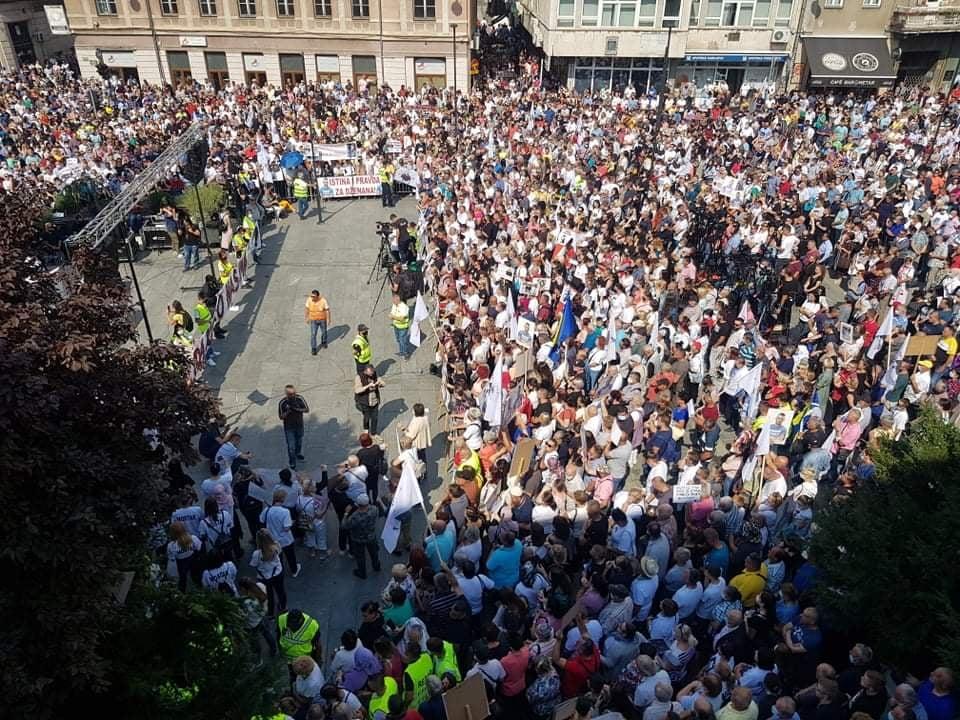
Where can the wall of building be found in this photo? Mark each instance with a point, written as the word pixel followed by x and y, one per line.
pixel 403 40
pixel 46 45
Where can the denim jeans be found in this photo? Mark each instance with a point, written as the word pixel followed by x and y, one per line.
pixel 403 340
pixel 386 191
pixel 191 256
pixel 315 325
pixel 303 207
pixel 294 444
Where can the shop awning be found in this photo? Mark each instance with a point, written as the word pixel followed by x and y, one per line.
pixel 849 62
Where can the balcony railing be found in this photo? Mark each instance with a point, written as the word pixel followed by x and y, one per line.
pixel 925 19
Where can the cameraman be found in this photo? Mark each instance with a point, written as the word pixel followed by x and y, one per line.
pixel 403 239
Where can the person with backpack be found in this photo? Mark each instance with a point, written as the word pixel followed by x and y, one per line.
pixel 267 562
pixel 216 528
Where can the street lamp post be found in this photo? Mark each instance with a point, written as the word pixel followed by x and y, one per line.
pixel 313 162
pixel 156 43
pixel 456 118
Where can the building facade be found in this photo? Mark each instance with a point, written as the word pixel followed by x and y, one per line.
pixel 26 36
pixel 927 43
pixel 281 42
pixel 606 44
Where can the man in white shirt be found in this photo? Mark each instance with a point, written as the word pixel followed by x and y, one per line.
pixel 279 523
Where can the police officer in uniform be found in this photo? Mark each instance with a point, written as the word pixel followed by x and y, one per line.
pixel 362 354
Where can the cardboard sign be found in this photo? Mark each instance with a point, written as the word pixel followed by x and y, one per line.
pixel 687 493
pixel 522 457
pixel 565 710
pixel 922 345
pixel 468 700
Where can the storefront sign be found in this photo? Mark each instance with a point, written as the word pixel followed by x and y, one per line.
pixel 57 19
pixel 193 41
pixel 119 58
pixel 735 58
pixel 349 186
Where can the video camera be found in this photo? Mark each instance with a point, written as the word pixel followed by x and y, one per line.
pixel 384 228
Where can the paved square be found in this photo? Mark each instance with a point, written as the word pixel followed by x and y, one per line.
pixel 268 347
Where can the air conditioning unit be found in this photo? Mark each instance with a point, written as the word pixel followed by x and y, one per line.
pixel 780 35
pixel 611 46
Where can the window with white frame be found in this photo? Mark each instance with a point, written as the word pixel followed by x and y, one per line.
pixel 566 13
pixel 169 7
pixel 784 11
pixel 106 7
pixel 247 8
pixel 322 8
pixel 761 13
pixel 671 13
pixel 648 13
pixel 597 74
pixel 360 8
pixel 694 13
pixel 208 8
pixel 424 9
pixel 712 15
pixel 736 13
pixel 285 8
pixel 618 13
pixel 590 13
pixel 871 3
pixel 833 3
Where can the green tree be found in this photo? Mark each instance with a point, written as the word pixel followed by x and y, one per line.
pixel 887 556
pixel 82 487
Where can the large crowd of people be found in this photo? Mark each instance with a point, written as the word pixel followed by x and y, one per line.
pixel 628 302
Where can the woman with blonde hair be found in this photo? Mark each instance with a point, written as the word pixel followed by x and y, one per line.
pixel 183 550
pixel 679 654
pixel 266 559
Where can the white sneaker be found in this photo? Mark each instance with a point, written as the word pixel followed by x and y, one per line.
pixel 297 571
pixel 216 352
pixel 211 363
pixel 234 308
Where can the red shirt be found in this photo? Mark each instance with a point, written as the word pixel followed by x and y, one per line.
pixel 515 665
pixel 577 672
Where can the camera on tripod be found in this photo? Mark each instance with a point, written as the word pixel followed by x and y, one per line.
pixel 384 228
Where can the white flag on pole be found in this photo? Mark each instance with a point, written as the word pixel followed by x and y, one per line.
pixel 763 441
pixel 828 443
pixel 889 378
pixel 407 497
pixel 493 399
pixel 746 312
pixel 420 313
pixel 883 331
pixel 654 328
pixel 611 337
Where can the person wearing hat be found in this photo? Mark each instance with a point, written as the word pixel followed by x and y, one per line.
pixel 360 522
pixel 362 354
pixel 919 385
pixel 644 587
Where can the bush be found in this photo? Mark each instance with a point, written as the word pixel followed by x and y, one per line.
pixel 212 199
pixel 887 566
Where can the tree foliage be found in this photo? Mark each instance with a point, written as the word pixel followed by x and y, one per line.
pixel 81 485
pixel 887 555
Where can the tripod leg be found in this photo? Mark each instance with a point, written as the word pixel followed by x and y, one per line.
pixel 386 276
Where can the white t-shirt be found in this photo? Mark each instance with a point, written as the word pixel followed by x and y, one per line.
pixel 278 522
pixel 309 686
pixel 473 590
pixel 530 593
pixel 491 671
pixel 226 573
pixel 266 569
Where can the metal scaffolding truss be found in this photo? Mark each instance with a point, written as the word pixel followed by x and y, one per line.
pixel 116 211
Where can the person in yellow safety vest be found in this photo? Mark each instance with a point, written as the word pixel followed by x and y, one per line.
pixel 469 458
pixel 444 657
pixel 362 354
pixel 419 666
pixel 224 267
pixel 297 634
pixel 301 193
pixel 400 317
pixel 202 317
pixel 384 687
pixel 385 174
